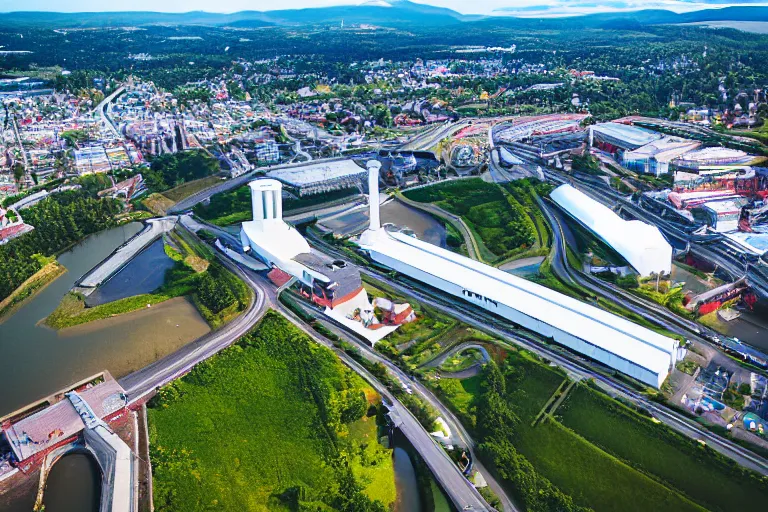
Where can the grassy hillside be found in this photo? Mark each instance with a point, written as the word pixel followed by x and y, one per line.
pixel 591 449
pixel 273 423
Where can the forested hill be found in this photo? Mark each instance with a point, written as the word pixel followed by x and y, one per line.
pixel 392 13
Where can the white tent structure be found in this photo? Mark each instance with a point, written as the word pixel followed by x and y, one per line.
pixel 585 329
pixel 641 244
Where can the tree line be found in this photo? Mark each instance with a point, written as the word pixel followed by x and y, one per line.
pixel 60 220
pixel 496 425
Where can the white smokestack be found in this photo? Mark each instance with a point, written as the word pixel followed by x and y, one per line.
pixel 257 204
pixel 373 193
pixel 269 207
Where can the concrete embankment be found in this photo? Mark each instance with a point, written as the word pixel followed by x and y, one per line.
pixel 122 255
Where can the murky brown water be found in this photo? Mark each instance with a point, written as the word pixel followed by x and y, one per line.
pixel 424 226
pixel 37 361
pixel 74 485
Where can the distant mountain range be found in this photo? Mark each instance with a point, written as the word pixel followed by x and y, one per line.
pixel 377 12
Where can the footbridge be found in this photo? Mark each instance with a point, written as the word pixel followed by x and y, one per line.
pixel 154 229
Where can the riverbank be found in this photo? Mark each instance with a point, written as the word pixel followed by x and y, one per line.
pixel 40 360
pixel 31 287
pixel 218 295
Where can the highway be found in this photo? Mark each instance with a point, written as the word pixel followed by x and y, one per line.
pixel 713 248
pixel 433 135
pixel 101 110
pixel 580 368
pixel 144 382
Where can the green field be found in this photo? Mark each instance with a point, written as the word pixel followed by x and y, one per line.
pixel 702 474
pixel 574 460
pixel 273 423
pixel 459 393
pixel 593 478
pixel 499 221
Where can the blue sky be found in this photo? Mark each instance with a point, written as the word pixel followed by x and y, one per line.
pixel 534 8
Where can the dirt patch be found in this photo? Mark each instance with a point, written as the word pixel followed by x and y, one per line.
pixel 158 204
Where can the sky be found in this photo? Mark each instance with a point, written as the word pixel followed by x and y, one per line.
pixel 525 8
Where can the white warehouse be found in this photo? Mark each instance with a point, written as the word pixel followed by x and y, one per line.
pixel 587 330
pixel 641 244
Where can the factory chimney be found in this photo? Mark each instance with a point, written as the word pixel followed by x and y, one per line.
pixel 373 194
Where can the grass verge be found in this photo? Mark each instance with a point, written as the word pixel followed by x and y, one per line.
pixel 29 288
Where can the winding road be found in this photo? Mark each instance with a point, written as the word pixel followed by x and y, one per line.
pixel 577 367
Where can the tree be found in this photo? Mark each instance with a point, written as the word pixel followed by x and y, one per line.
pixel 382 115
pixel 18 172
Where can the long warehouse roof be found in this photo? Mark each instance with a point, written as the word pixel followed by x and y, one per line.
pixel 641 244
pixel 604 330
pixel 629 135
pixel 318 172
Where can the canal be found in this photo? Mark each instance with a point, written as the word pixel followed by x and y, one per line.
pixel 39 361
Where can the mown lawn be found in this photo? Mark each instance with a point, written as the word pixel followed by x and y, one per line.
pixel 703 475
pixel 261 427
pixel 592 477
pixel 531 386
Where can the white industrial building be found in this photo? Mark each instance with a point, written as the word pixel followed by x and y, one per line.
pixel 327 282
pixel 586 330
pixel 642 245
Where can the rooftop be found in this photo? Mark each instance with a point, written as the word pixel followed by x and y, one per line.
pixel 43 429
pixel 319 172
pixel 630 135
pixel 600 328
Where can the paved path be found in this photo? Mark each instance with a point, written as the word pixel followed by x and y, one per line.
pixel 154 229
pixel 439 360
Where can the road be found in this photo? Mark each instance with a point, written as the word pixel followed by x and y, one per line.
pixel 432 136
pixel 713 248
pixel 145 381
pixel 140 384
pixel 439 360
pixel 580 368
pixel 460 490
pixel 102 107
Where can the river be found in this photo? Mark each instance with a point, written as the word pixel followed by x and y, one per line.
pixel 39 361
